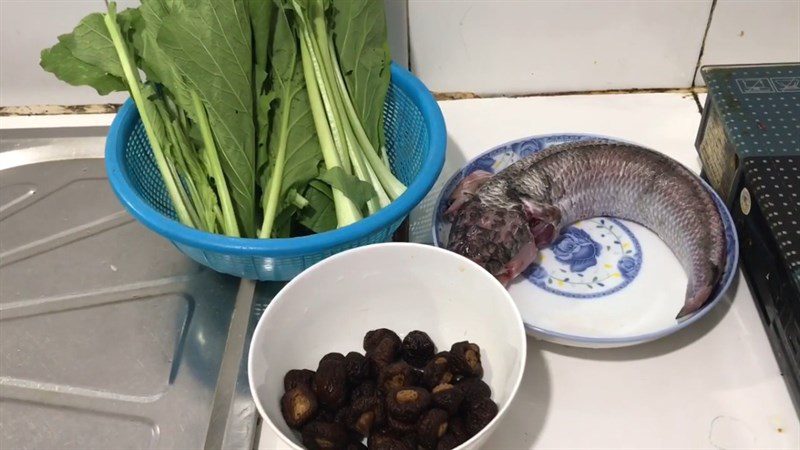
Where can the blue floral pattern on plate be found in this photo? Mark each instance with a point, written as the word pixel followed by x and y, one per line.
pixel 576 248
pixel 589 259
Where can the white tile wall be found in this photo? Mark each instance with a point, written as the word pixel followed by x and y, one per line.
pixel 484 46
pixel 397 21
pixel 516 47
pixel 28 26
pixel 753 32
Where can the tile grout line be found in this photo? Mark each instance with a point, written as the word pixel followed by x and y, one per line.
pixel 700 55
pixel 111 108
pixel 697 102
pixel 444 96
pixel 408 37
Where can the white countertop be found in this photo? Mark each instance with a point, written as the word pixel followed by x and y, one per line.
pixel 713 385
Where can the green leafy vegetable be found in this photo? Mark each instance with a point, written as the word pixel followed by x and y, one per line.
pixel 343 140
pixel 211 45
pixel 319 215
pixel 60 60
pixel 158 67
pixel 359 33
pixel 264 116
pixel 260 12
pixel 261 22
pixel 148 110
pixel 92 42
pixel 294 153
pixel 358 191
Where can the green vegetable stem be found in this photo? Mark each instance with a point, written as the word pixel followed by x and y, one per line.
pixel 154 130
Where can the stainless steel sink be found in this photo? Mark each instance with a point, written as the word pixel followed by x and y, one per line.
pixel 109 337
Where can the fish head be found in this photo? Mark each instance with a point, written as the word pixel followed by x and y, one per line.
pixel 466 190
pixel 498 239
pixel 544 220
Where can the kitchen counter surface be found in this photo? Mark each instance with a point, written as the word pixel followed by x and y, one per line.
pixel 713 385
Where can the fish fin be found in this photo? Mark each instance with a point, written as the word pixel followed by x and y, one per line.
pixel 694 300
pixel 465 190
pixel 520 262
pixel 543 220
pixel 716 272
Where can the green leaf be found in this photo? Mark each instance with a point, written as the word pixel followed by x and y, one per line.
pixel 149 114
pixel 319 215
pixel 359 192
pixel 155 63
pixel 151 106
pixel 260 13
pixel 87 56
pixel 303 155
pixel 91 43
pixel 192 168
pixel 130 20
pixel 263 109
pixel 359 34
pixel 294 152
pixel 283 222
pixel 210 43
pixel 59 61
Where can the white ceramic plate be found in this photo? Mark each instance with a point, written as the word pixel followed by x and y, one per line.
pixel 603 282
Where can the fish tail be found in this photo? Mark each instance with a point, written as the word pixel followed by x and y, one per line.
pixel 694 300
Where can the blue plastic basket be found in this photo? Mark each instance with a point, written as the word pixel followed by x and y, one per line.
pixel 415 139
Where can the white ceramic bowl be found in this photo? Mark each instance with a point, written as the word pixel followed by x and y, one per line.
pixel 404 287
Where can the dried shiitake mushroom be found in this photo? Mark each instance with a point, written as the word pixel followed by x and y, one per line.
pixel 447 397
pixel 366 389
pixel 374 337
pixel 448 442
pixel 401 426
pixel 326 415
pixel 406 404
pixel 456 427
pixel 341 415
pixel 297 377
pixel 299 406
pixel 437 371
pixel 357 368
pixel 479 414
pixel 324 436
pixel 474 389
pixel 431 427
pixel 383 354
pixel 466 358
pixel 382 347
pixel 395 376
pixel 365 414
pixel 333 356
pixel 400 395
pixel 417 348
pixel 387 439
pixel 330 382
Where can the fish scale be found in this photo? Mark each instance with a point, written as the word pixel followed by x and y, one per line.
pixel 570 182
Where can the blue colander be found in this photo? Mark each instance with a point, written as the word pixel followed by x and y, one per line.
pixel 415 139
